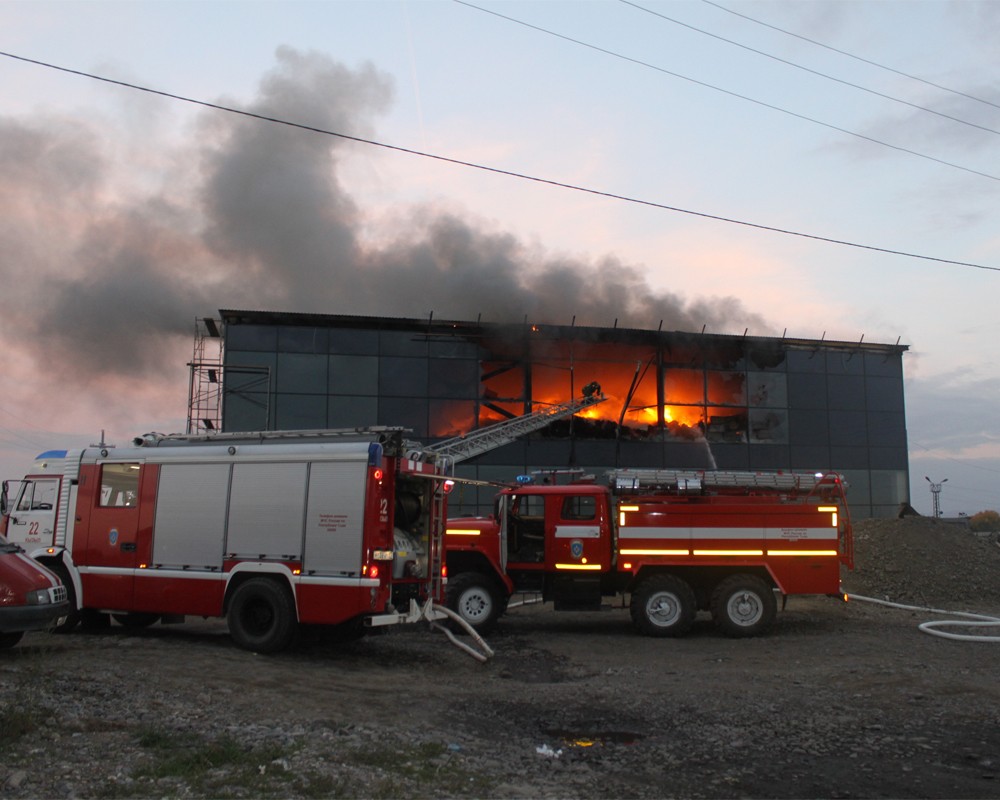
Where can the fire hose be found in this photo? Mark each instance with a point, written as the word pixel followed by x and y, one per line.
pixel 932 626
pixel 485 653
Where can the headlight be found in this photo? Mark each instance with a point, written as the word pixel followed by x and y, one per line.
pixel 39 597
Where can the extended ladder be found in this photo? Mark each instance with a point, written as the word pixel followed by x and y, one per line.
pixel 485 439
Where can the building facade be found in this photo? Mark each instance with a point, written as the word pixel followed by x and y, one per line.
pixel 675 400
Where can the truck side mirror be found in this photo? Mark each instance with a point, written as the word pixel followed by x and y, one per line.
pixel 3 500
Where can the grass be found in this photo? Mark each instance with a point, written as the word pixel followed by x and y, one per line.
pixel 15 723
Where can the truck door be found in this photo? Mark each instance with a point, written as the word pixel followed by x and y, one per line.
pixel 108 561
pixel 573 533
pixel 33 515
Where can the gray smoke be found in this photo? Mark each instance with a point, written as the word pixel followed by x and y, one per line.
pixel 106 279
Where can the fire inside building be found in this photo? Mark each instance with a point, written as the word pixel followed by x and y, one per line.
pixel 674 400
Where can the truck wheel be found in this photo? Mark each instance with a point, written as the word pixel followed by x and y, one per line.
pixel 743 606
pixel 663 605
pixel 10 639
pixel 73 617
pixel 136 620
pixel 475 598
pixel 262 616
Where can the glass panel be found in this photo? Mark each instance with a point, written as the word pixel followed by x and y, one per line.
pixel 352 412
pixel 887 458
pixel 769 426
pixel 295 412
pixel 726 388
pixel 768 389
pixel 353 375
pixel 408 412
pixel 806 361
pixel 889 487
pixel 681 353
pixel 453 378
pixel 248 371
pixel 848 428
pixel 119 485
pixel 727 425
pixel 810 458
pixel 846 391
pixel 845 363
pixel 687 422
pixel 769 457
pixel 889 364
pixel 251 337
pixel 301 373
pixel 808 427
pixel 402 343
pixel 360 342
pixel 884 394
pixel 728 355
pixel 806 390
pixel 766 356
pixel 452 348
pixel 886 429
pixel 451 417
pixel 684 386
pixel 302 339
pixel 245 411
pixel 403 376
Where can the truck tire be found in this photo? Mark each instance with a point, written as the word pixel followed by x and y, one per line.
pixel 743 606
pixel 261 616
pixel 136 620
pixel 663 605
pixel 476 599
pixel 10 639
pixel 73 617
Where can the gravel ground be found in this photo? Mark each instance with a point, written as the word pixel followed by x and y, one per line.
pixel 844 700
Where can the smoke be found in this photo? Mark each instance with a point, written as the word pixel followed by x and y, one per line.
pixel 107 263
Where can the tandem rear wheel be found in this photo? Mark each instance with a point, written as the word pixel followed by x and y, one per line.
pixel 743 606
pixel 261 616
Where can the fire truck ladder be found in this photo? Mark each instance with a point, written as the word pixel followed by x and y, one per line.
pixel 630 480
pixel 483 440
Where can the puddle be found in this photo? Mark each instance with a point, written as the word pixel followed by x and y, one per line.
pixel 583 739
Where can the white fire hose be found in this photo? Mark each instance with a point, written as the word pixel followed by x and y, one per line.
pixel 932 626
pixel 486 651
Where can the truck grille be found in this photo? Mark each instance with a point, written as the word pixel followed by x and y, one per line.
pixel 58 594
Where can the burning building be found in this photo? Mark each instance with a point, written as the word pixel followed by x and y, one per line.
pixel 675 400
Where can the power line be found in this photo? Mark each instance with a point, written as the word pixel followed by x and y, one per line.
pixel 729 92
pixel 495 170
pixel 855 57
pixel 811 71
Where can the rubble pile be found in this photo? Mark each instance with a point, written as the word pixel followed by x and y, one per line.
pixel 925 562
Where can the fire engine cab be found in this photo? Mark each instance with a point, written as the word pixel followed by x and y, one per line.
pixel 672 542
pixel 269 530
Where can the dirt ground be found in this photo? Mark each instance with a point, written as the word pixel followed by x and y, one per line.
pixel 838 700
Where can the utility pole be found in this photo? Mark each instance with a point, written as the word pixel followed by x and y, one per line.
pixel 936 492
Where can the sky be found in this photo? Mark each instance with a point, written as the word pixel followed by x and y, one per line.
pixel 674 151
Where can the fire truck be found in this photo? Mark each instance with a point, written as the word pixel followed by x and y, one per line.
pixel 269 530
pixel 672 543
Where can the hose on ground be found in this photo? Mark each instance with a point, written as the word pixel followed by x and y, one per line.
pixel 482 655
pixel 932 627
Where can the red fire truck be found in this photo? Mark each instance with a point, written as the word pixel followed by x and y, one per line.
pixel 268 530
pixel 672 542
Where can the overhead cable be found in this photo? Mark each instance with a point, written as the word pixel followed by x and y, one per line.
pixel 854 56
pixel 729 92
pixel 494 170
pixel 811 71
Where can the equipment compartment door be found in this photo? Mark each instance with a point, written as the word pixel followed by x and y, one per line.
pixel 109 560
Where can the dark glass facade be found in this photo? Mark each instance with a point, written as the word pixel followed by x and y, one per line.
pixel 675 400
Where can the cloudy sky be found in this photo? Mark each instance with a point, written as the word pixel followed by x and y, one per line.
pixel 705 133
